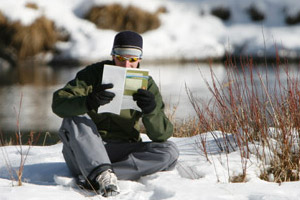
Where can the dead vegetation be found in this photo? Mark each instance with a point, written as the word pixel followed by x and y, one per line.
pixel 28 41
pixel 186 128
pixel 221 12
pixel 241 178
pixel 117 17
pixel 255 14
pixel 292 20
pixel 263 114
pixel 32 6
pixel 2 18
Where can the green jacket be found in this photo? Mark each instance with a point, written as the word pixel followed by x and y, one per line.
pixel 71 101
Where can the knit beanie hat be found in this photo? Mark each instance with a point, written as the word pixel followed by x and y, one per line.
pixel 128 43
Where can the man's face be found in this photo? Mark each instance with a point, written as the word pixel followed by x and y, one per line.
pixel 127 61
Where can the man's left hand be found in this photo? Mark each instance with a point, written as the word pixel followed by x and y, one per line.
pixel 145 100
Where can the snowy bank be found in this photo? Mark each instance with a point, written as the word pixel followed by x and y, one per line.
pixel 188 29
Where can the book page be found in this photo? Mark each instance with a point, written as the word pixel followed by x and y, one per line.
pixel 116 76
pixel 129 103
pixel 135 79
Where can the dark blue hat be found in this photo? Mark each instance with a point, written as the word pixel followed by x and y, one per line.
pixel 128 43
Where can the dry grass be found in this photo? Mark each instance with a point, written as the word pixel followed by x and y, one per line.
pixel 32 5
pixel 41 36
pixel 120 18
pixel 186 127
pixel 241 178
pixel 2 18
pixel 28 41
pixel 257 111
pixel 34 138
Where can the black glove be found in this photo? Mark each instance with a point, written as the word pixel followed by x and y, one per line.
pixel 145 100
pixel 99 97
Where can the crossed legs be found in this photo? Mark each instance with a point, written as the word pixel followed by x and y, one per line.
pixel 86 154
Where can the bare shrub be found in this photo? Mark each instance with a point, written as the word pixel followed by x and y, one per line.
pixel 118 18
pixel 255 14
pixel 246 104
pixel 20 147
pixel 221 12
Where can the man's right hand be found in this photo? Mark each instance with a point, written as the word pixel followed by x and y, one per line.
pixel 99 97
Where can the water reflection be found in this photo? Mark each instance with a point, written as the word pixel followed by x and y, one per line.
pixel 36 84
pixel 173 81
pixel 32 86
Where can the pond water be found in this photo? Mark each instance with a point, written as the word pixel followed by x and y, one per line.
pixel 33 86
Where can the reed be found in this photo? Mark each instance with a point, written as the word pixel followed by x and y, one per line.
pixel 22 150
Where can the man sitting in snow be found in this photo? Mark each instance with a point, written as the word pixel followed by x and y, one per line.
pixel 99 148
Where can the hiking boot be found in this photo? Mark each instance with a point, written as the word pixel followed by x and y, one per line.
pixel 107 181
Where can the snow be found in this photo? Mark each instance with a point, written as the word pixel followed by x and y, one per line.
pixel 195 176
pixel 187 31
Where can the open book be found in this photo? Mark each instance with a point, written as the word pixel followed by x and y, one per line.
pixel 126 82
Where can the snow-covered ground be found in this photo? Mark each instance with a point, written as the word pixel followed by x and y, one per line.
pixel 188 30
pixel 46 176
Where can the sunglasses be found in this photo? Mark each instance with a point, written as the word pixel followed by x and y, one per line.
pixel 123 58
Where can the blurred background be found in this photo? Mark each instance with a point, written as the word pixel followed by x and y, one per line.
pixel 43 44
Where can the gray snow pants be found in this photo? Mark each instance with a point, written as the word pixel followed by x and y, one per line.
pixel 86 154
